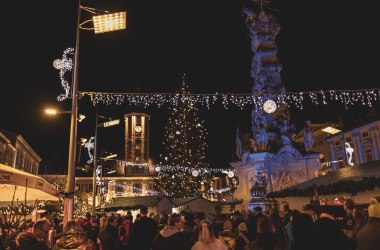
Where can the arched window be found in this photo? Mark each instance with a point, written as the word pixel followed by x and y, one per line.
pixel 367 148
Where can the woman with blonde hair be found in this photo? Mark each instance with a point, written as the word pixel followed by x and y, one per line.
pixel 73 237
pixel 207 239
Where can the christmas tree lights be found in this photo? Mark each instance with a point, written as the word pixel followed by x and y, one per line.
pixel 185 143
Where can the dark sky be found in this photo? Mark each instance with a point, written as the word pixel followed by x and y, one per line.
pixel 322 45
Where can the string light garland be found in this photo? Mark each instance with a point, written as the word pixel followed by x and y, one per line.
pixel 202 171
pixel 348 98
pixel 132 190
pixel 63 65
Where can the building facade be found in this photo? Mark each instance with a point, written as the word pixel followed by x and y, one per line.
pixel 19 178
pixel 363 139
pixel 15 152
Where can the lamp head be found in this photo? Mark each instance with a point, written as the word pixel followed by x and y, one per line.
pixel 109 22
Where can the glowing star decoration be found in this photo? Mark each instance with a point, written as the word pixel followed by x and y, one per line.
pixel 90 145
pixel 349 152
pixel 195 173
pixel 63 65
pixel 269 106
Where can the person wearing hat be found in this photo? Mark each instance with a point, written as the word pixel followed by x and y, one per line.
pixel 243 238
pixel 368 237
pixel 227 236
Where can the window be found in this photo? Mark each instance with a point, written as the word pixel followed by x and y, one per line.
pixel 367 151
pixel 348 139
pixel 365 134
pixel 337 143
pixel 368 155
pixel 137 187
pixel 151 186
pixel 119 188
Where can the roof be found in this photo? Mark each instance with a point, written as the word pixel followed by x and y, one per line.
pixel 10 135
pixel 354 173
pixel 133 202
pixel 181 201
pixel 347 176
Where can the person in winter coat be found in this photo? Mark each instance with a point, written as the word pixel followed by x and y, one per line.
pixel 243 238
pixel 368 237
pixel 207 239
pixel 329 235
pixel 170 237
pixel 266 238
pixel 227 236
pixel 109 237
pixel 143 232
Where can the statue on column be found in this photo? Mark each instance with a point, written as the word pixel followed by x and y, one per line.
pixel 308 136
pixel 262 137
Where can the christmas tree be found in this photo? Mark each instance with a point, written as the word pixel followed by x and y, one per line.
pixel 185 146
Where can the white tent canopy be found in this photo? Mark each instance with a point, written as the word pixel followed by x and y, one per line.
pixel 23 186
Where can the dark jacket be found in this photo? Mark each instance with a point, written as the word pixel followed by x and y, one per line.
pixel 169 238
pixel 303 232
pixel 143 232
pixel 190 236
pixel 109 238
pixel 329 235
pixel 266 241
pixel 368 237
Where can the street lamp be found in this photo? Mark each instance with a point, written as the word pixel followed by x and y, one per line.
pixel 109 123
pixel 68 205
pixel 53 111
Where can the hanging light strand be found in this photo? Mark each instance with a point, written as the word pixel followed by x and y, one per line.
pixel 347 98
pixel 159 168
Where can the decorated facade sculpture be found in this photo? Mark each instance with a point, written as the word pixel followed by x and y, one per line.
pixel 308 136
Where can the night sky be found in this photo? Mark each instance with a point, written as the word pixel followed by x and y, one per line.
pixel 322 45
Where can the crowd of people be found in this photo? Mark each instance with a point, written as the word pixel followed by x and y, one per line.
pixel 292 230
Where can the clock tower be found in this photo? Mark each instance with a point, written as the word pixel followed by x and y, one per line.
pixel 136 142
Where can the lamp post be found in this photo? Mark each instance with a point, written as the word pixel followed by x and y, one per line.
pixel 104 124
pixel 111 22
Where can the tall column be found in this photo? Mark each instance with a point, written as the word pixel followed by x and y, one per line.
pixel 374 134
pixel 332 155
pixel 356 139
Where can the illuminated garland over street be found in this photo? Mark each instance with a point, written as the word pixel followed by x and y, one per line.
pixel 193 171
pixel 241 100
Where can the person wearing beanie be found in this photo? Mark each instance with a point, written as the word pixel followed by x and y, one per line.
pixel 242 239
pixel 368 237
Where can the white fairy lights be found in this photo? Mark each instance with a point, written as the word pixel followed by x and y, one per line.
pixel 63 65
pixel 347 98
pixel 199 171
pixel 90 145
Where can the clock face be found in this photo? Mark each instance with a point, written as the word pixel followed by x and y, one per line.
pixel 269 106
pixel 138 129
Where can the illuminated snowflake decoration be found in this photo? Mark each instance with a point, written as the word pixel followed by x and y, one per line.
pixel 90 145
pixel 63 65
